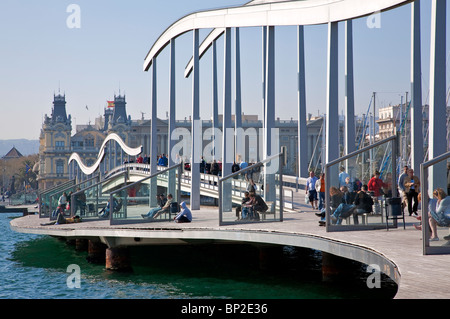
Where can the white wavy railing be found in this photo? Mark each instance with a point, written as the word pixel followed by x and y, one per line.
pixel 269 13
pixel 88 170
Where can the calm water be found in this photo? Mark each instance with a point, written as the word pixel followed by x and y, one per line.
pixel 35 267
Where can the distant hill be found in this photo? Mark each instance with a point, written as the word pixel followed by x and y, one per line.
pixel 25 147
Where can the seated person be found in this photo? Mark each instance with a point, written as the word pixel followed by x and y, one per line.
pixel 441 214
pixel 348 196
pixel 161 202
pixel 336 198
pixel 185 216
pixel 243 209
pixel 363 203
pixel 104 212
pixel 164 209
pixel 344 210
pixel 255 204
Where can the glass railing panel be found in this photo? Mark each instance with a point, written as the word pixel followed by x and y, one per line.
pixel 45 204
pixel 361 189
pixel 435 206
pixel 55 198
pixel 154 198
pixel 253 194
pixel 89 200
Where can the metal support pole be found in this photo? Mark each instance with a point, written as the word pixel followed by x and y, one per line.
pixel 332 116
pixel 417 143
pixel 437 144
pixel 153 137
pixel 172 117
pixel 269 179
pixel 238 142
pixel 349 141
pixel 227 141
pixel 215 101
pixel 302 152
pixel 264 53
pixel 196 130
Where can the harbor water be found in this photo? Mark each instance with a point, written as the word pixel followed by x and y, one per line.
pixel 37 267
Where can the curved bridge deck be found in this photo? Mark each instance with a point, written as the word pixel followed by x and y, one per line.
pixel 397 251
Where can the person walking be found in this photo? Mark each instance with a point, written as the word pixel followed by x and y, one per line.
pixel 311 189
pixel 401 187
pixel 412 187
pixel 320 189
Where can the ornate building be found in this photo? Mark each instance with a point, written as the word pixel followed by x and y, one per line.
pixel 56 142
pixel 55 145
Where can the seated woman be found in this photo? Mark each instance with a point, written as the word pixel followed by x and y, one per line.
pixel 104 212
pixel 441 214
pixel 336 198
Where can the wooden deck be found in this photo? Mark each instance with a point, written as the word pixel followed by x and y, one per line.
pixel 421 276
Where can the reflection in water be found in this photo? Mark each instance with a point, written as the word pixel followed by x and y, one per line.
pixel 36 267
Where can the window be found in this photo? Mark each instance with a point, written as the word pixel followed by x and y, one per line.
pixel 89 142
pixel 59 167
pixel 59 145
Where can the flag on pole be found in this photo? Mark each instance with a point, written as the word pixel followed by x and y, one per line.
pixel 27 168
pixel 110 103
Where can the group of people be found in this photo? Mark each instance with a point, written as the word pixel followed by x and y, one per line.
pixel 251 206
pixel 352 198
pixel 161 160
pixel 345 202
pixel 315 188
pixel 165 206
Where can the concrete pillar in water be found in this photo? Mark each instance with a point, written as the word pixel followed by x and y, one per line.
pixel 118 259
pixel 96 252
pixel 81 244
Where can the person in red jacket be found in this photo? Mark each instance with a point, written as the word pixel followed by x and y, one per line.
pixel 375 185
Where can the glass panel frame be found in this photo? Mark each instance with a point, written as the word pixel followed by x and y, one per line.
pixel 233 187
pixel 45 208
pixel 93 198
pixel 130 209
pixel 69 188
pixel 380 209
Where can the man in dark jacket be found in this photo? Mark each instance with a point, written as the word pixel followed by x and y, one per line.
pixel 363 203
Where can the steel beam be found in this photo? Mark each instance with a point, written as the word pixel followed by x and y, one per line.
pixel 302 152
pixel 437 124
pixel 196 130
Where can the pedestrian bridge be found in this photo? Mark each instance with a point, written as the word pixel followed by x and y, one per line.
pixel 136 189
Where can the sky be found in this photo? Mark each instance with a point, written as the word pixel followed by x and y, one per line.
pixel 46 49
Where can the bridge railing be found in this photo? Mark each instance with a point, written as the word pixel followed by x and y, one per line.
pixel 138 202
pixel 432 216
pixel 264 203
pixel 360 167
pixel 89 200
